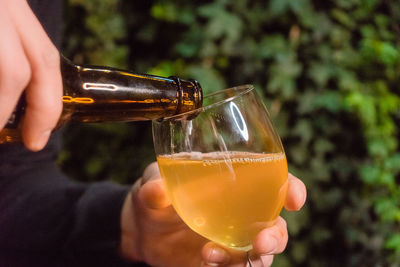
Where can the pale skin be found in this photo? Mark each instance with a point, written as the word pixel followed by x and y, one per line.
pixel 151 231
pixel 28 61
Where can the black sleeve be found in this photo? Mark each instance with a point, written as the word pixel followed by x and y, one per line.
pixel 52 220
pixel 45 218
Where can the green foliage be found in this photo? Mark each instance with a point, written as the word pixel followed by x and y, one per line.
pixel 90 22
pixel 329 73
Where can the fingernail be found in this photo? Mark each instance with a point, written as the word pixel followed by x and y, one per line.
pixel 218 256
pixel 40 141
pixel 203 264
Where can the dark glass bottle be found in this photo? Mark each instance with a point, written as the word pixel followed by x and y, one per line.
pixel 103 94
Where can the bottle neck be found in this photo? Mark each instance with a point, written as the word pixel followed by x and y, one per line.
pixel 101 94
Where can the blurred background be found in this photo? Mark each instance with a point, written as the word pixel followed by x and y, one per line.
pixel 328 72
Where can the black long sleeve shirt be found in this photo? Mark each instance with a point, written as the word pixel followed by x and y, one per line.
pixel 45 218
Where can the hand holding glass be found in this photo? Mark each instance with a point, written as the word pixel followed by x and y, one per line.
pixel 224 167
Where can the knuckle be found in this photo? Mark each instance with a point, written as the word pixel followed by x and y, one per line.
pixel 22 75
pixel 50 58
pixel 15 75
pixel 281 222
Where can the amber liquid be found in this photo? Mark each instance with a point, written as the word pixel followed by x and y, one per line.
pixel 226 197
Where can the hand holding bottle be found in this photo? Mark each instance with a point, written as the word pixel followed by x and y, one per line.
pixel 30 62
pixel 152 231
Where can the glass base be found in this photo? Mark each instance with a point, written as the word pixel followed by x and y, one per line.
pixel 246 248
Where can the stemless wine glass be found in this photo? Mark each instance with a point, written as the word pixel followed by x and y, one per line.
pixel 224 166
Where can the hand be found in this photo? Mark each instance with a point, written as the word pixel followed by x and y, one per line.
pixel 28 61
pixel 153 233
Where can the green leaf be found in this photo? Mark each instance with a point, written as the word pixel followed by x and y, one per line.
pixel 320 73
pixel 378 147
pixel 297 153
pixel 210 80
pixel 303 129
pixel 283 75
pixel 277 7
pixel 387 208
pixel 323 146
pixel 393 163
pixel 364 105
pixel 271 46
pixel 343 18
pixel 393 242
pixel 370 174
pixel 329 100
pixel 165 11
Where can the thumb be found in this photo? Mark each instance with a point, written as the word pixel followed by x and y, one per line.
pixel 152 172
pixel 152 192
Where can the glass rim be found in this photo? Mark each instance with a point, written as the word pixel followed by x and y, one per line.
pixel 243 89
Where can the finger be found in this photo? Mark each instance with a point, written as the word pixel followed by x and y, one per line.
pixel 44 92
pixel 152 190
pixel 151 172
pixel 204 264
pixel 259 261
pixel 296 195
pixel 267 260
pixel 153 195
pixel 14 67
pixel 214 255
pixel 272 240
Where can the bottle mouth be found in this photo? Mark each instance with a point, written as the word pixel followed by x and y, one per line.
pixel 198 93
pixel 189 94
pixel 211 100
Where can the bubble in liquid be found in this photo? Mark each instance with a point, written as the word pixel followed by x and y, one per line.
pixel 229 157
pixel 199 221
